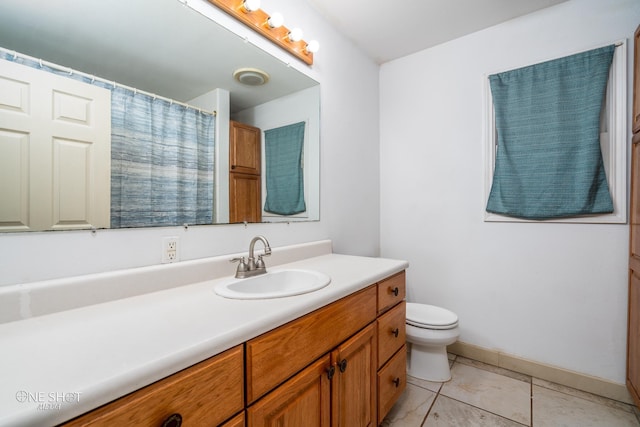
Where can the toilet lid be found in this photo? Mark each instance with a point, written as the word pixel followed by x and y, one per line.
pixel 430 317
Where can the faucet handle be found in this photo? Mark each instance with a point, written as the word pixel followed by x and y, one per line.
pixel 242 266
pixel 260 263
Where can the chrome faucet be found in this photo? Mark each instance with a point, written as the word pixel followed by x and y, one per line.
pixel 253 267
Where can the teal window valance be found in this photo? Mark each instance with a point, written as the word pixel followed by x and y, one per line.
pixel 548 158
pixel 285 176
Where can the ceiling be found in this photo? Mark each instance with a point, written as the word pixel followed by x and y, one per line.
pixel 123 41
pixel 388 30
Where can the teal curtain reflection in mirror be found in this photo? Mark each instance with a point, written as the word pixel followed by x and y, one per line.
pixel 285 176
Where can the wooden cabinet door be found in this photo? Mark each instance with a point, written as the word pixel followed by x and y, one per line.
pixel 245 200
pixel 636 82
pixel 244 148
pixel 237 421
pixel 354 384
pixel 304 400
pixel 633 368
pixel 634 211
pixel 245 184
pixel 633 330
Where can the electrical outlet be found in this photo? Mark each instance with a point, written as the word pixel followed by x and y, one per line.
pixel 170 252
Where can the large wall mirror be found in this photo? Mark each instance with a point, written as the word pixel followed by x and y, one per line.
pixel 152 51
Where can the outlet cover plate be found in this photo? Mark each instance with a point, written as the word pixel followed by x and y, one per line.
pixel 170 249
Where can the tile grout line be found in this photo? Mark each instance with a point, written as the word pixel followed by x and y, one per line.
pixel 424 421
pixel 531 400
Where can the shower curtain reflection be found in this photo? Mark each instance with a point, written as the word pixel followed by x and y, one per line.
pixel 162 162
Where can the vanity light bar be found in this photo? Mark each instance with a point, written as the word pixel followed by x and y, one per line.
pixel 258 21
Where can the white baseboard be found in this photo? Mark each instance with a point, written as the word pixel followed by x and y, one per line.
pixel 595 385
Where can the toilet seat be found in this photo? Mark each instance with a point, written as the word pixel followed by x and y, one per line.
pixel 430 317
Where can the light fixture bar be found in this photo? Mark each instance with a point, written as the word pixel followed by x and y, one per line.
pixel 257 20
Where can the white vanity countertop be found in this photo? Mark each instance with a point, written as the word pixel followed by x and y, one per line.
pixel 57 366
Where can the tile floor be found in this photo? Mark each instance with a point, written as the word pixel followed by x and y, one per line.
pixel 484 395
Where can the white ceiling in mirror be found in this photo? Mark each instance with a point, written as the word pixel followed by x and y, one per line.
pixel 388 30
pixel 159 46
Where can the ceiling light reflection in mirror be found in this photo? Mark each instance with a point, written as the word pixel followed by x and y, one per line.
pixel 270 26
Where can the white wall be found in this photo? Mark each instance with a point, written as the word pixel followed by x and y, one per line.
pixel 349 178
pixel 553 293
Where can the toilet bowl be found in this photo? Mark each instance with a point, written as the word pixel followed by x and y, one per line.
pixel 430 330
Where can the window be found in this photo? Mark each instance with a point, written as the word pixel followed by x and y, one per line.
pixel 612 141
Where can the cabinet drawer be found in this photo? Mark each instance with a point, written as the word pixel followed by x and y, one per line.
pixel 205 394
pixel 391 291
pixel 391 332
pixel 392 380
pixel 278 354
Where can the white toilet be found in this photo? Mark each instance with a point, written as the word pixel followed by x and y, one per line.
pixel 430 330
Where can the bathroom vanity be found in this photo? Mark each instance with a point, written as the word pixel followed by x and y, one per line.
pixel 335 356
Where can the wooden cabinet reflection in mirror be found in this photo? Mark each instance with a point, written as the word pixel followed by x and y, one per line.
pixel 244 173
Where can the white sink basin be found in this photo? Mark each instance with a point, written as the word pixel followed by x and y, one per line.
pixel 273 284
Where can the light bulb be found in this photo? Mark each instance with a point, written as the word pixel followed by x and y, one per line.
pixel 251 5
pixel 275 20
pixel 313 46
pixel 295 35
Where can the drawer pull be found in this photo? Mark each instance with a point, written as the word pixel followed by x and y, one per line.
pixel 397 382
pixel 343 365
pixel 395 332
pixel 395 291
pixel 174 420
pixel 331 370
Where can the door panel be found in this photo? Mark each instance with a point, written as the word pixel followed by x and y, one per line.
pixel 14 180
pixel 244 195
pixel 245 149
pixel 55 136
